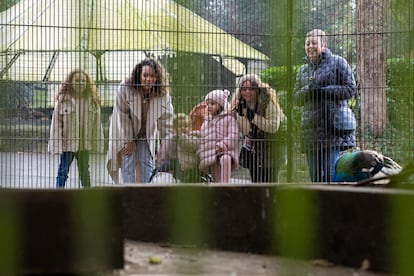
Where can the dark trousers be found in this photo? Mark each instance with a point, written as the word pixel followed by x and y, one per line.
pixel 66 159
pixel 264 175
pixel 259 172
pixel 264 159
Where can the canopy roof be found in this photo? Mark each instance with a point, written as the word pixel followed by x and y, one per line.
pixel 103 25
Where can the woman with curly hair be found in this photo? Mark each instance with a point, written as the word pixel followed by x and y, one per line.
pixel 142 108
pixel 259 117
pixel 76 125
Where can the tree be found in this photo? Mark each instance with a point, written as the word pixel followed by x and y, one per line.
pixel 401 25
pixel 245 19
pixel 371 60
pixel 5 4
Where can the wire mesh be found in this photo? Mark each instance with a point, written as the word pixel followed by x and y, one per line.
pixel 203 45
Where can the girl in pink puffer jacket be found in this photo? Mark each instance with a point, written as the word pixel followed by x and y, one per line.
pixel 218 146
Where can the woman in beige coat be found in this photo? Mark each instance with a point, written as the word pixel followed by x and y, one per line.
pixel 142 110
pixel 76 126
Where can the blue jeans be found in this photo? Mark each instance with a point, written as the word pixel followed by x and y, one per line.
pixel 321 164
pixel 143 158
pixel 66 159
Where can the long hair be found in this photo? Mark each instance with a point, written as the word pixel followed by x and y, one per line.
pixel 162 82
pixel 264 95
pixel 66 88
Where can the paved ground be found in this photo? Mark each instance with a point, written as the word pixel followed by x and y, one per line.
pixel 38 170
pixel 185 261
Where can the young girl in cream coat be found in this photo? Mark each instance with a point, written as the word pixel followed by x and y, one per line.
pixel 218 146
pixel 76 128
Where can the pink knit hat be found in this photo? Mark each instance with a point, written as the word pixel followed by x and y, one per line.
pixel 219 96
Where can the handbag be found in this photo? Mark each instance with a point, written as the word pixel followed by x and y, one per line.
pixel 344 120
pixel 245 157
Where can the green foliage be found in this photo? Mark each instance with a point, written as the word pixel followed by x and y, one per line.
pixel 400 100
pixel 400 73
pixel 277 77
pixel 187 79
pixel 5 4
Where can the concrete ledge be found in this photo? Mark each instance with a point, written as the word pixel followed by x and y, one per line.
pixel 61 231
pixel 345 225
pixel 73 231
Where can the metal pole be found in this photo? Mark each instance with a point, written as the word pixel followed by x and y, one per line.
pixel 290 91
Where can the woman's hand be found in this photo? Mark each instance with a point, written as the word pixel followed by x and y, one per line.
pixel 241 106
pixel 129 148
pixel 244 110
pixel 314 91
pixel 313 86
pixel 250 114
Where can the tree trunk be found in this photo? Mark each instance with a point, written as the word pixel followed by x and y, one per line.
pixel 371 61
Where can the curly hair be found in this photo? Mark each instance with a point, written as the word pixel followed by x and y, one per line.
pixel 161 75
pixel 66 88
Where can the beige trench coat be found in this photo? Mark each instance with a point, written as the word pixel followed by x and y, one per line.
pixel 65 128
pixel 125 123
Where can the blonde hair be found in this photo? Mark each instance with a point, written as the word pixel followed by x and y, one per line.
pixel 181 119
pixel 318 33
pixel 66 88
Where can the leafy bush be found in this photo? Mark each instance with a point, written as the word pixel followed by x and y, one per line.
pixel 400 73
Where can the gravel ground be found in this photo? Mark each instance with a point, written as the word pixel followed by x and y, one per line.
pixel 153 259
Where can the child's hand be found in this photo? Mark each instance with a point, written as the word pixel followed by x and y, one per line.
pixel 196 133
pixel 219 150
